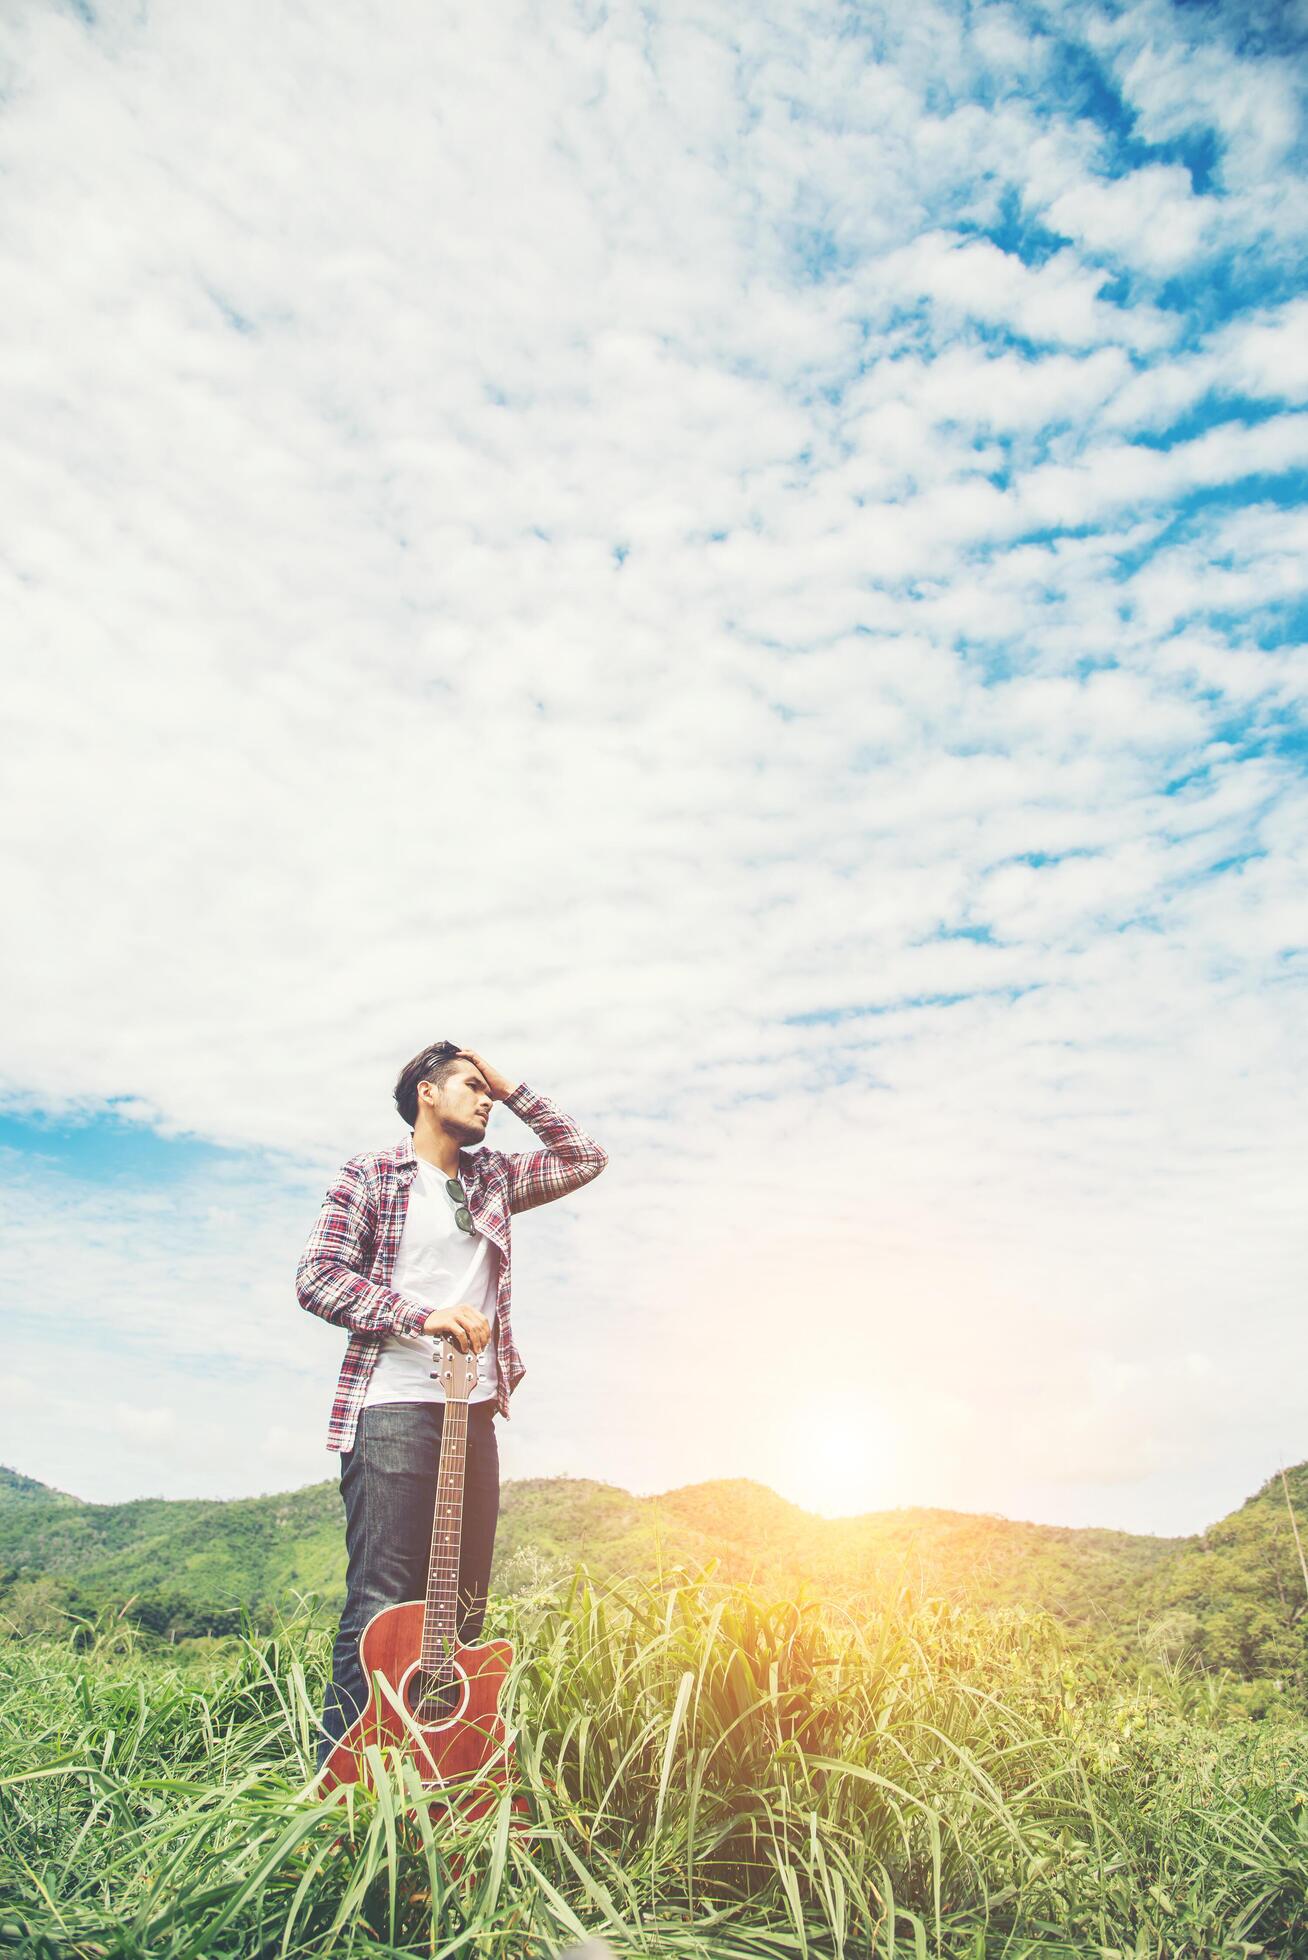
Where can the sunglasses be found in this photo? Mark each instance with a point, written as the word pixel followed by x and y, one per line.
pixel 462 1216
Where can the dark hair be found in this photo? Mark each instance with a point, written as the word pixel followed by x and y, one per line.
pixel 431 1064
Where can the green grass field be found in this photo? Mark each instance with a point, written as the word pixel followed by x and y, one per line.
pixel 711 1772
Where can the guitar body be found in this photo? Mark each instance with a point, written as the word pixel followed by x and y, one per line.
pixel 451 1751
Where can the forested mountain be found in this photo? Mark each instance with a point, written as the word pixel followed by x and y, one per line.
pixel 1233 1596
pixel 1237 1595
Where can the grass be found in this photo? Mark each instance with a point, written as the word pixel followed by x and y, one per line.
pixel 710 1772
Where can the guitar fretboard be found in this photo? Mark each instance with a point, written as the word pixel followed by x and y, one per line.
pixel 440 1615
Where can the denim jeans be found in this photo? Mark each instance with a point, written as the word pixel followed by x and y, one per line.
pixel 388 1483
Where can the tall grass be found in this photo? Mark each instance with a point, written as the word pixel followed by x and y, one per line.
pixel 709 1773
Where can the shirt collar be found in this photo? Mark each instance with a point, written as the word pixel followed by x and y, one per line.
pixel 406 1161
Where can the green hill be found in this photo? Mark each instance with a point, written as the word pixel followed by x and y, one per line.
pixel 1082 1575
pixel 1233 1596
pixel 1236 1596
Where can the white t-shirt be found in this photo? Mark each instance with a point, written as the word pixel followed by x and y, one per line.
pixel 440 1267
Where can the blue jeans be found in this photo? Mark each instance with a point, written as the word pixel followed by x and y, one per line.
pixel 388 1483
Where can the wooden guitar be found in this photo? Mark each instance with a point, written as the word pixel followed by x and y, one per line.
pixel 432 1699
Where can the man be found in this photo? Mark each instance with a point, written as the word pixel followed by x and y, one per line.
pixel 413 1242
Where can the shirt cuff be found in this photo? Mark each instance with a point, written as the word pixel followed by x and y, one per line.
pixel 519 1100
pixel 409 1316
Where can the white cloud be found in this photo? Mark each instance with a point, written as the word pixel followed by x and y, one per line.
pixel 1178 89
pixel 1057 302
pixel 1268 355
pixel 1150 218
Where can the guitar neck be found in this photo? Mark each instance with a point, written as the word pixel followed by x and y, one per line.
pixel 440 1614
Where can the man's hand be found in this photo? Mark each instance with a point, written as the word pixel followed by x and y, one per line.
pixel 465 1326
pixel 499 1085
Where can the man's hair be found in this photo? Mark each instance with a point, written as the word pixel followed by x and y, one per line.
pixel 431 1064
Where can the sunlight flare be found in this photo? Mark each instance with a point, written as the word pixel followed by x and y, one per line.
pixel 838 1455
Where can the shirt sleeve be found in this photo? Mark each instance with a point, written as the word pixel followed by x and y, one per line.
pixel 569 1160
pixel 332 1277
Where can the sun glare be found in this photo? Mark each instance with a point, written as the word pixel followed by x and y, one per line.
pixel 838 1457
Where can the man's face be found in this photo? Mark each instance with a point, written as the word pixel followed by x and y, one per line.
pixel 462 1102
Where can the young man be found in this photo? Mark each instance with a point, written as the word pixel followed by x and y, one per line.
pixel 412 1242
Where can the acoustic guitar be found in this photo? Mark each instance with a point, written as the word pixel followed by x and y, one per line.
pixel 432 1699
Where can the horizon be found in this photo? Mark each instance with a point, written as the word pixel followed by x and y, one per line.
pixel 751 570
pixel 676 1490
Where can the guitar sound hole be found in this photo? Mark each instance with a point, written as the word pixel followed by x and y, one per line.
pixel 432 1697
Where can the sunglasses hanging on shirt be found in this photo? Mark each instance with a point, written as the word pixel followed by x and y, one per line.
pixel 462 1216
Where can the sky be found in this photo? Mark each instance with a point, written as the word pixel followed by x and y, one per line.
pixel 746 562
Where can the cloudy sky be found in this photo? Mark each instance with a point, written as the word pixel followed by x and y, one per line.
pixel 748 562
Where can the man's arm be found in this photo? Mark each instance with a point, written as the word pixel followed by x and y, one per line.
pixel 331 1279
pixel 570 1158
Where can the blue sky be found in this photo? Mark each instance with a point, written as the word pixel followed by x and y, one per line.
pixel 749 565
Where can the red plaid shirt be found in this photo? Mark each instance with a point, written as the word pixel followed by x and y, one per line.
pixel 345 1270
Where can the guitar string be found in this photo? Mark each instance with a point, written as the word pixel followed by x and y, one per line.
pixel 439 1620
pixel 442 1570
pixel 439 1613
pixel 440 1602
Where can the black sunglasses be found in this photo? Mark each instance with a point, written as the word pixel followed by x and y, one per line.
pixel 462 1217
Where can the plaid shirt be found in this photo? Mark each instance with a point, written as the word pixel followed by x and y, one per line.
pixel 345 1270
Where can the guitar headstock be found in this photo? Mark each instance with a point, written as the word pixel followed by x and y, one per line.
pixel 455 1371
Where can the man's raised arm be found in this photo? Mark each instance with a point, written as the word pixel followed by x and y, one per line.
pixel 569 1160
